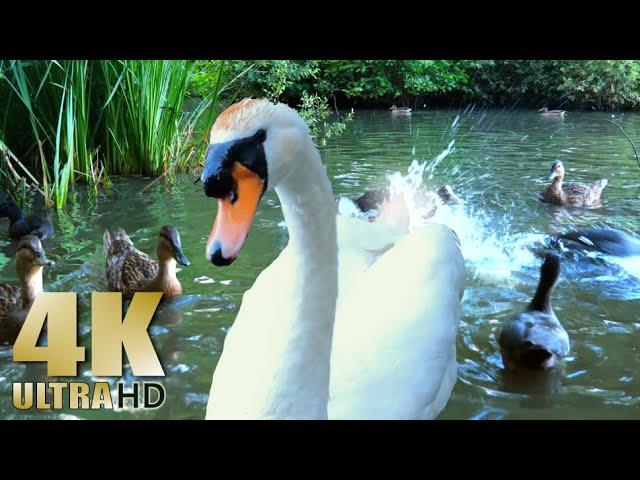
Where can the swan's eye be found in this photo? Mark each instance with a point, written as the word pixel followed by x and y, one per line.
pixel 261 135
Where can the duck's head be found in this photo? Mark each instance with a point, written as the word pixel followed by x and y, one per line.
pixel 254 145
pixel 557 170
pixel 447 195
pixel 170 246
pixel 393 107
pixel 30 256
pixel 544 109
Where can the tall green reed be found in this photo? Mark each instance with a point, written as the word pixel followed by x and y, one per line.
pixel 80 120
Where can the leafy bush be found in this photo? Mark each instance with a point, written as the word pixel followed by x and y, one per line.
pixel 590 83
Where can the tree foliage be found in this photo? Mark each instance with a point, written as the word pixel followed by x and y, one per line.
pixel 597 84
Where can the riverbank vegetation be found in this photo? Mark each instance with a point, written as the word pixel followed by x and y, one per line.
pixel 64 122
pixel 590 84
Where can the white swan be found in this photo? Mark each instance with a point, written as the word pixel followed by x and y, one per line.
pixel 392 354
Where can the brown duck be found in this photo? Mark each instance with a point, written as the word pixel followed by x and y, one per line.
pixel 15 301
pixel 129 270
pixel 571 193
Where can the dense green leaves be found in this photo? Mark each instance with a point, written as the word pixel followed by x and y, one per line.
pixel 576 84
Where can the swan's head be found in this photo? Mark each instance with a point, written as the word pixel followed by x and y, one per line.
pixel 254 145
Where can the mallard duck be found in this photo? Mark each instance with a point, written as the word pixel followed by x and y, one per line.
pixel 551 113
pixel 400 110
pixel 129 270
pixel 535 338
pixel 301 347
pixel 19 225
pixel 15 301
pixel 571 193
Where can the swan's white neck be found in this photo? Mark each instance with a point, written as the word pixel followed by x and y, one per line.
pixel 310 214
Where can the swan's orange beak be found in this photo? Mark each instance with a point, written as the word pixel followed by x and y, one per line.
pixel 235 216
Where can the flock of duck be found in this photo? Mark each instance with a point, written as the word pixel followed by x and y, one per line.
pixel 127 269
pixel 357 317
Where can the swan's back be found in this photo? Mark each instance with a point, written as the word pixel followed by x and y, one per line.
pixel 394 351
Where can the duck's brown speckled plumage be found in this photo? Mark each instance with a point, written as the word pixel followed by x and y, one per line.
pixel 15 301
pixel 571 193
pixel 10 299
pixel 129 270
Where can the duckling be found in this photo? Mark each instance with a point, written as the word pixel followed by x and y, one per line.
pixel 15 302
pixel 19 225
pixel 572 193
pixel 129 270
pixel 400 110
pixel 535 339
pixel 551 113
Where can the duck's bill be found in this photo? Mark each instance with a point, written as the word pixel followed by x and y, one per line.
pixel 235 217
pixel 181 258
pixel 44 261
pixel 552 175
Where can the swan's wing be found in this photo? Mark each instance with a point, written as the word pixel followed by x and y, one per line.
pixel 394 350
pixel 364 235
pixel 360 244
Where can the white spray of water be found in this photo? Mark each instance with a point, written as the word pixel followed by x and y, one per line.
pixel 630 264
pixel 485 251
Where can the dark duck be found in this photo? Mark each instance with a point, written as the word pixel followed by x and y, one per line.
pixel 579 244
pixel 21 225
pixel 610 241
pixel 535 339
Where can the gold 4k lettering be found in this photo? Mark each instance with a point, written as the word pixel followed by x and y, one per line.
pixel 109 335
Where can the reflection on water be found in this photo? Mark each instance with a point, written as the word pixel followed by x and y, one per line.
pixel 497 162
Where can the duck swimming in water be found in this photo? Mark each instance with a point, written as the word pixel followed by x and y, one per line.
pixel 535 338
pixel 20 225
pixel 551 113
pixel 571 193
pixel 129 270
pixel 400 110
pixel 15 301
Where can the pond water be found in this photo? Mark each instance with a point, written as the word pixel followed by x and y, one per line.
pixel 497 161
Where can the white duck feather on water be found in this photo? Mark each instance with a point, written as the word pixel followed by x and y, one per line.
pixel 388 351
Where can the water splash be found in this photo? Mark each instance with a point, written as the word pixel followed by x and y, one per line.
pixel 487 251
